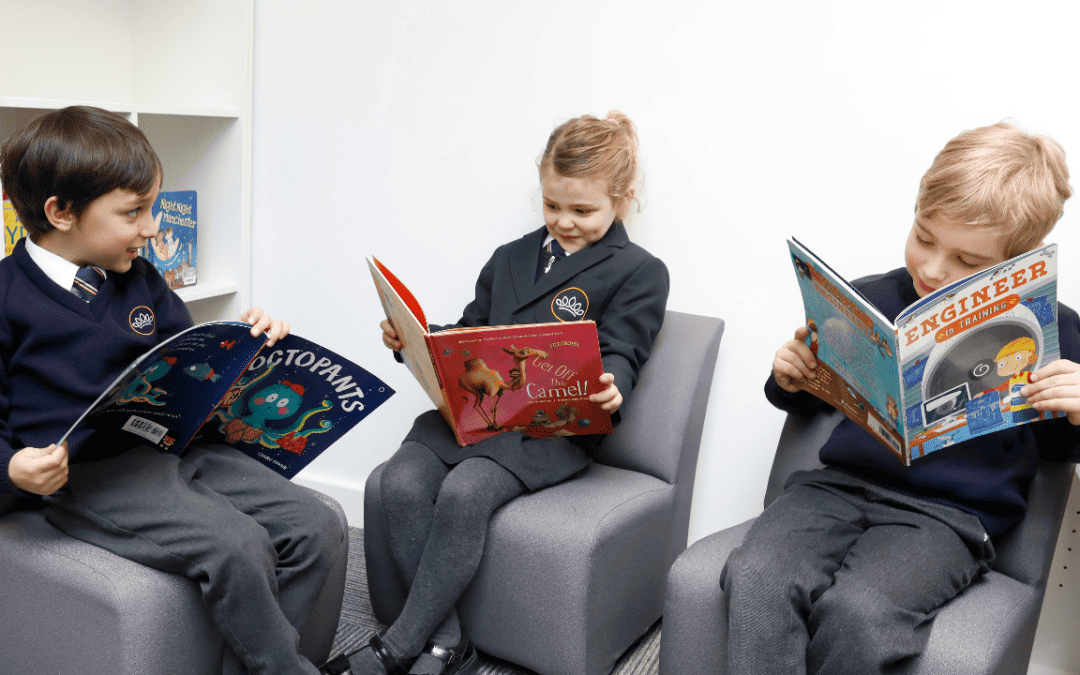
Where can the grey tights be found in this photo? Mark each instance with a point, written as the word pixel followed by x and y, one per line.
pixel 437 518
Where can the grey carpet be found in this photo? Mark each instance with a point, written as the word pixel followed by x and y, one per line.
pixel 358 624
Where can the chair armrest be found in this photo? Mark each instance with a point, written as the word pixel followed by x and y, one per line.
pixel 1025 551
pixel 798 447
pixel 695 619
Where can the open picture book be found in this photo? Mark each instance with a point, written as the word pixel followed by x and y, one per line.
pixel 533 378
pixel 215 382
pixel 951 365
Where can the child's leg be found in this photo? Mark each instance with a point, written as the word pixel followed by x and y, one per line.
pixel 305 532
pixel 148 507
pixel 770 582
pixel 842 576
pixel 912 559
pixel 467 497
pixel 408 488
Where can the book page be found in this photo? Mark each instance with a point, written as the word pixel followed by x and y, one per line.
pixel 854 346
pixel 165 394
pixel 408 320
pixel 967 349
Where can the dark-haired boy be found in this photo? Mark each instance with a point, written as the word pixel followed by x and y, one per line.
pixel 78 305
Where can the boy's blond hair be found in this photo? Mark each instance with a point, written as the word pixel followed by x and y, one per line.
pixel 998 178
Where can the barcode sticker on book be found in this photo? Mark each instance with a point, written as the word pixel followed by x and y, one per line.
pixel 145 428
pixel 879 428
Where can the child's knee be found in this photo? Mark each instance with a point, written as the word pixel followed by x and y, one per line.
pixel 871 627
pixel 408 477
pixel 243 545
pixel 750 570
pixel 325 530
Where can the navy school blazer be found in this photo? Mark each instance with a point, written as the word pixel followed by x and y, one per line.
pixel 614 282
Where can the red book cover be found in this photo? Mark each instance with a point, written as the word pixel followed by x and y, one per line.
pixel 533 378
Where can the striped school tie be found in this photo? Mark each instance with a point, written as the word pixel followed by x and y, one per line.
pixel 549 254
pixel 87 282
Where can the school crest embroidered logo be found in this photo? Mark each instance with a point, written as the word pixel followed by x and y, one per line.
pixel 141 320
pixel 570 304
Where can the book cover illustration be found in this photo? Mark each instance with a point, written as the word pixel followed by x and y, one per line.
pixel 532 378
pixel 283 405
pixel 174 251
pixel 966 354
pixel 13 228
pixel 951 366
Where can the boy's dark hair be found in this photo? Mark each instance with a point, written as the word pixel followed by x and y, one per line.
pixel 76 154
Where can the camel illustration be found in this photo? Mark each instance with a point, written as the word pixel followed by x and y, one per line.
pixel 480 381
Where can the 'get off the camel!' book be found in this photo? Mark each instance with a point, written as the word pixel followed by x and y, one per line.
pixel 950 366
pixel 533 378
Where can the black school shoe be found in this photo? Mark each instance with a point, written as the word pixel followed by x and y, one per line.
pixel 459 660
pixel 339 665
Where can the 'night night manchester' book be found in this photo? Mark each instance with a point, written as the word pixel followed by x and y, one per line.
pixel 533 378
pixel 215 382
pixel 949 368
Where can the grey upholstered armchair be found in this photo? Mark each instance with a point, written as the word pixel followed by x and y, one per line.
pixel 70 607
pixel 988 628
pixel 574 574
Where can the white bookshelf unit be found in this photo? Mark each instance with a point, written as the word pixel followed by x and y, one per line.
pixel 180 70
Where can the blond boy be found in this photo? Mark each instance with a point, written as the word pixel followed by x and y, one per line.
pixel 844 572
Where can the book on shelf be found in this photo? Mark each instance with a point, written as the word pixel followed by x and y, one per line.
pixel 13 228
pixel 950 366
pixel 283 404
pixel 174 251
pixel 533 378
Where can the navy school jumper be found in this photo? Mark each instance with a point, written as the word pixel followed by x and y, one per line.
pixel 987 476
pixel 58 352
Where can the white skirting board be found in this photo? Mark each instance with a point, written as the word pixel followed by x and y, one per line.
pixel 350 494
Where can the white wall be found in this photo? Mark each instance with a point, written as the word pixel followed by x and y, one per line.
pixel 409 130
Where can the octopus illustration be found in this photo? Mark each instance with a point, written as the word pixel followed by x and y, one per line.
pixel 272 403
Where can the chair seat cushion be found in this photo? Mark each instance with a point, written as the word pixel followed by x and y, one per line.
pixel 68 602
pixel 979 631
pixel 69 606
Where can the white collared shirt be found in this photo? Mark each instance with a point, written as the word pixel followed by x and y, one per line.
pixel 547 239
pixel 60 270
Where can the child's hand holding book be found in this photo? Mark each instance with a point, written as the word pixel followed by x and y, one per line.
pixel 275 329
pixel 794 362
pixel 1056 387
pixel 41 471
pixel 390 336
pixel 609 397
